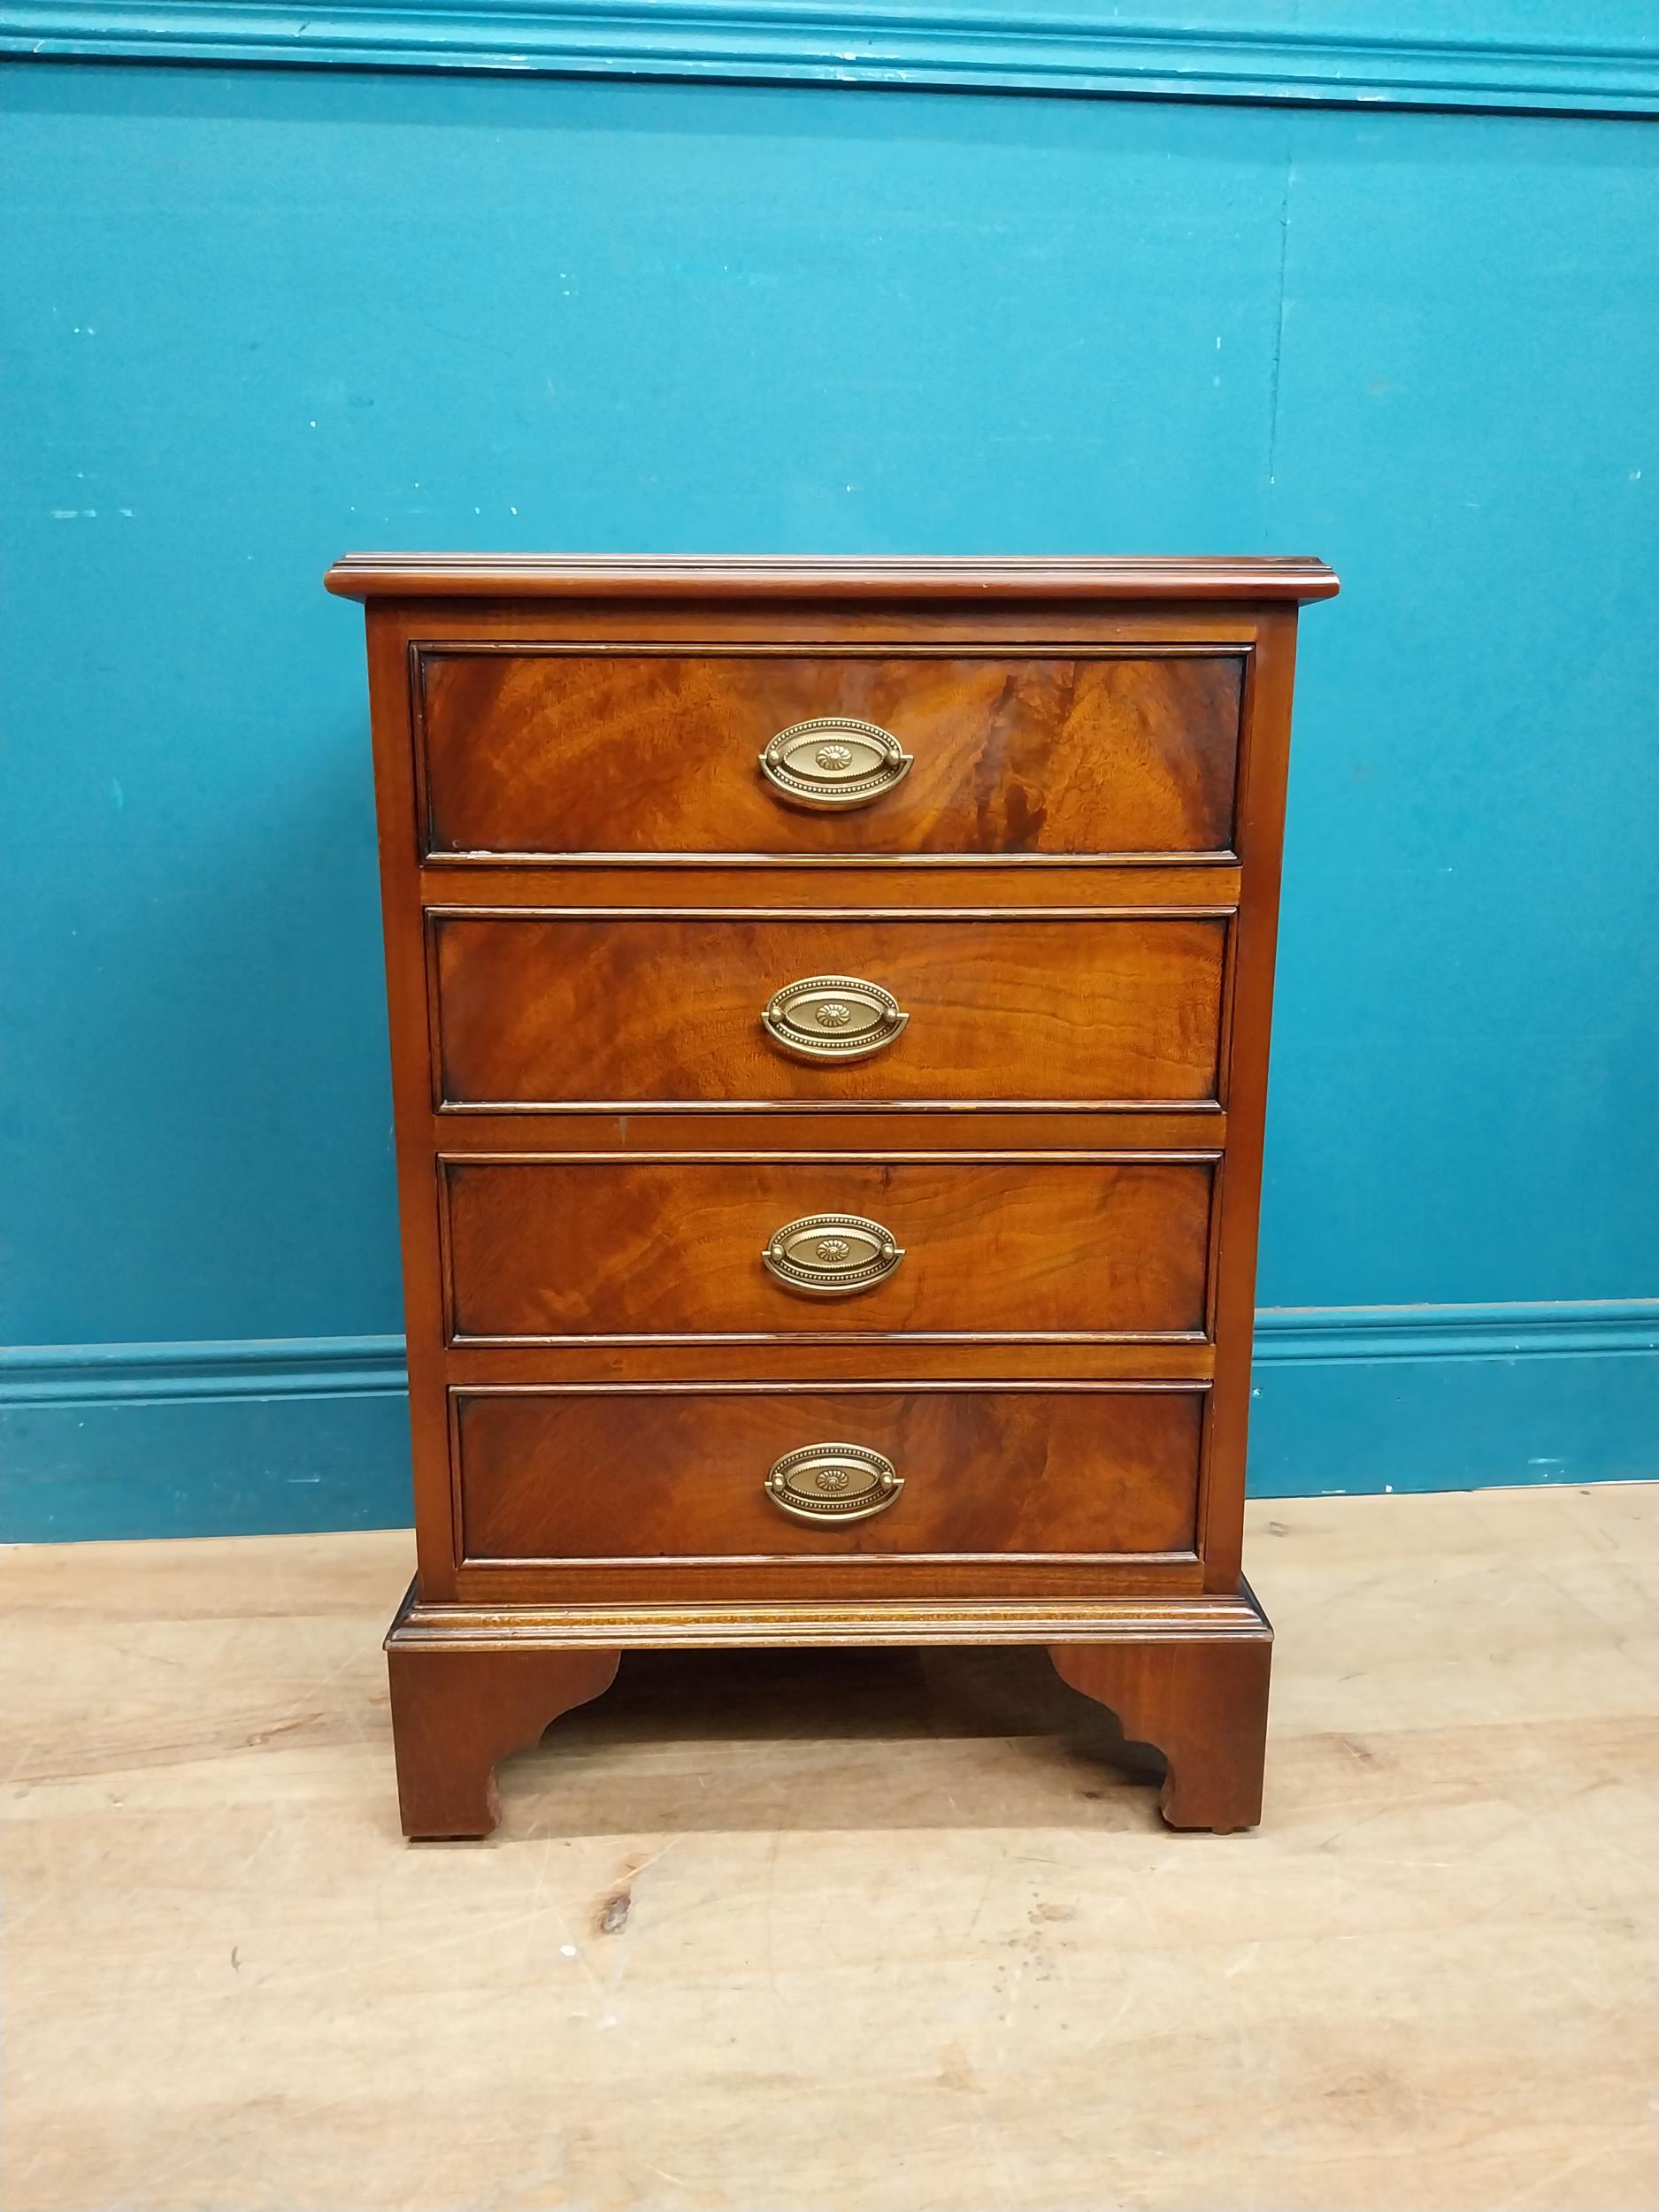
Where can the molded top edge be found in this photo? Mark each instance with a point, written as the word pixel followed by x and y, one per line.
pixel 563 576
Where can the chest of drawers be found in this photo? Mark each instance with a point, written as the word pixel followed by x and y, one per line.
pixel 829 1012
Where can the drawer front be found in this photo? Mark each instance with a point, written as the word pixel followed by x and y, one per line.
pixel 635 1474
pixel 540 1009
pixel 553 753
pixel 559 1248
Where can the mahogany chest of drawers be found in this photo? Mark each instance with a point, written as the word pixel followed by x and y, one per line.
pixel 829 1010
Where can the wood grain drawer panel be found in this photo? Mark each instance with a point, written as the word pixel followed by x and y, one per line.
pixel 543 1009
pixel 679 1473
pixel 558 1249
pixel 545 753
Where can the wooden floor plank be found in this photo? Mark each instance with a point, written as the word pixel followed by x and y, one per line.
pixel 874 1930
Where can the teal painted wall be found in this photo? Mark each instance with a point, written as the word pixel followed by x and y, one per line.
pixel 253 317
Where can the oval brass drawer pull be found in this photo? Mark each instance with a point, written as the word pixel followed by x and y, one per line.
pixel 833 1018
pixel 832 1255
pixel 834 760
pixel 833 1482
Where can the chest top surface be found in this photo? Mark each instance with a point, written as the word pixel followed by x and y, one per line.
pixel 559 575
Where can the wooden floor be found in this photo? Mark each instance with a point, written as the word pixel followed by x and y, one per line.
pixel 854 1933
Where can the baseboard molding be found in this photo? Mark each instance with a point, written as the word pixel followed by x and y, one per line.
pixel 302 1434
pixel 1161 54
pixel 232 1438
pixel 253 1367
pixel 1376 1398
pixel 1289 1336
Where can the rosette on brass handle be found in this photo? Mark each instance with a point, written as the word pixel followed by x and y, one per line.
pixel 833 1018
pixel 833 1482
pixel 834 760
pixel 832 1255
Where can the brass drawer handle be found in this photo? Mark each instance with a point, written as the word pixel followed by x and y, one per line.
pixel 832 1255
pixel 833 1018
pixel 833 1482
pixel 834 760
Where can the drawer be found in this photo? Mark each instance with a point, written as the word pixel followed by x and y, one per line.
pixel 544 1008
pixel 1095 1470
pixel 562 1249
pixel 554 752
